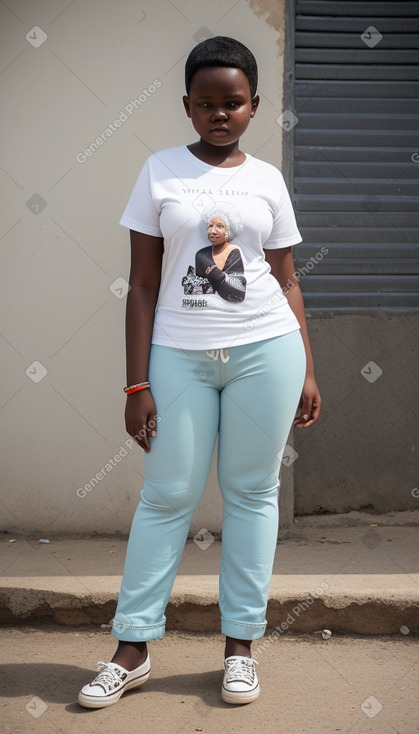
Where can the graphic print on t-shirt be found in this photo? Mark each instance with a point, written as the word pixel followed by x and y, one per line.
pixel 218 267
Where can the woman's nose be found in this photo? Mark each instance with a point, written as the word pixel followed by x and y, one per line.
pixel 219 114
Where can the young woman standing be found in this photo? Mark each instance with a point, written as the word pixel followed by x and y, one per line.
pixel 204 364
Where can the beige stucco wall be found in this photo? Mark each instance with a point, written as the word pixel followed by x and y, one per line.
pixel 62 251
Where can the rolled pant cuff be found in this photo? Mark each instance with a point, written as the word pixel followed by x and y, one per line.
pixel 136 633
pixel 242 630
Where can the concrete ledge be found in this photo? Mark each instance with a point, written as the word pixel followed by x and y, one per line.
pixel 358 579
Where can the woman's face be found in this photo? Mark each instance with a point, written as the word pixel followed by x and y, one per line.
pixel 220 104
pixel 217 230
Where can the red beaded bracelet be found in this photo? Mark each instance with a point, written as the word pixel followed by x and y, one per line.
pixel 136 388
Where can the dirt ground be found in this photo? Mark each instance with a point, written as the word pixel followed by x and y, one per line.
pixel 308 685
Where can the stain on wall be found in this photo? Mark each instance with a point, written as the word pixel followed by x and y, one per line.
pixel 273 12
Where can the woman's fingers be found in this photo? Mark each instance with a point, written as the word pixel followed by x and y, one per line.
pixel 141 419
pixel 310 406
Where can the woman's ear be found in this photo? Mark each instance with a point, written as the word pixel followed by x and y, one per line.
pixel 186 105
pixel 255 105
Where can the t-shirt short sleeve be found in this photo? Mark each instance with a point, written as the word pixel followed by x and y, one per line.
pixel 141 213
pixel 284 232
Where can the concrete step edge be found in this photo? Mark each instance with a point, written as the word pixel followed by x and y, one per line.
pixel 354 613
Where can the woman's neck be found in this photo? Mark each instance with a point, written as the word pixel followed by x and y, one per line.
pixel 219 248
pixel 226 156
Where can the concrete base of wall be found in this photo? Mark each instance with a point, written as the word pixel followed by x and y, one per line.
pixel 363 453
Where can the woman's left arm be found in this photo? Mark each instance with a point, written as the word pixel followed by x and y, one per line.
pixel 283 269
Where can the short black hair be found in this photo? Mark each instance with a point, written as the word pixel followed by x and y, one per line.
pixel 222 51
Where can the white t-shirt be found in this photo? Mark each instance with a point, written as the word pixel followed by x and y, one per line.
pixel 207 303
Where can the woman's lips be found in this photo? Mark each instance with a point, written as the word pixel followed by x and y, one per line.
pixel 220 129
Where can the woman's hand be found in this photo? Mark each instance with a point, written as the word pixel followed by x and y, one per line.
pixel 141 418
pixel 310 404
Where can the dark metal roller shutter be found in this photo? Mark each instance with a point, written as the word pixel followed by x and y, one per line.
pixel 356 153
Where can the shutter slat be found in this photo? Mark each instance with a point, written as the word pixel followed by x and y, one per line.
pixel 356 147
pixel 359 267
pixel 356 137
pixel 362 283
pixel 352 105
pixel 340 252
pixel 366 187
pixel 362 89
pixel 348 8
pixel 372 170
pixel 407 221
pixel 348 302
pixel 329 24
pixel 361 55
pixel 355 203
pixel 354 159
pixel 328 233
pixel 355 71
pixel 359 121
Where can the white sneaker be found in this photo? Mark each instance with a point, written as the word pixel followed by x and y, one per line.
pixel 111 683
pixel 240 683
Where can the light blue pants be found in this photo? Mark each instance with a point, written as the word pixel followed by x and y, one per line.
pixel 251 401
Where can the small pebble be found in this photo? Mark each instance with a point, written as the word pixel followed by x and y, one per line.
pixel 13 540
pixel 43 540
pixel 326 634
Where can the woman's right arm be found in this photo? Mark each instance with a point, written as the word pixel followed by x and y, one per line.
pixel 144 281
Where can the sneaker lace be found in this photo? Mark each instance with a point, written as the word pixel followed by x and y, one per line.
pixel 241 669
pixel 108 676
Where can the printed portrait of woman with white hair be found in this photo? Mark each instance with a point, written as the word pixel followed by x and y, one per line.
pixel 221 262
